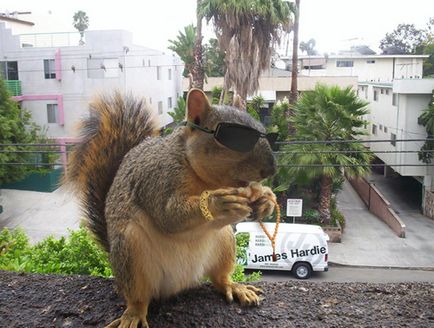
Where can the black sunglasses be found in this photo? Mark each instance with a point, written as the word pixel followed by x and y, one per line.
pixel 237 137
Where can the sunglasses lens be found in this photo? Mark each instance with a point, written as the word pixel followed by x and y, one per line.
pixel 238 138
pixel 272 137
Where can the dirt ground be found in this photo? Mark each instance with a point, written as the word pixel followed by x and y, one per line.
pixel 30 300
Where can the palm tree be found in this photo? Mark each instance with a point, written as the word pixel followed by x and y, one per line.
pixel 294 87
pixel 183 46
pixel 308 47
pixel 81 23
pixel 247 30
pixel 198 67
pixel 327 113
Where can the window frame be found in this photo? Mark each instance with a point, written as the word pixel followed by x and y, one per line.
pixel 344 63
pixel 49 69
pixel 54 109
pixel 393 139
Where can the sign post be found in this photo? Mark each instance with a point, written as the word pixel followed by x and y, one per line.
pixel 294 208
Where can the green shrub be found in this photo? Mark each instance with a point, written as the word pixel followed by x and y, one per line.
pixel 311 216
pixel 76 254
pixel 337 216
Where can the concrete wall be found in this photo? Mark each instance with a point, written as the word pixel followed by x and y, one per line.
pixel 428 204
pixel 378 205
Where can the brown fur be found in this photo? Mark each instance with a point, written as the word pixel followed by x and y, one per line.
pixel 141 196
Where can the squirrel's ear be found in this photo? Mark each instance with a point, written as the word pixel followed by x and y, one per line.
pixel 237 102
pixel 197 106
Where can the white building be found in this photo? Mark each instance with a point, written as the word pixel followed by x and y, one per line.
pixel 394 111
pixel 373 68
pixel 16 24
pixel 54 76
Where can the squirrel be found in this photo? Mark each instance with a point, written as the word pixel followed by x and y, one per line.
pixel 141 195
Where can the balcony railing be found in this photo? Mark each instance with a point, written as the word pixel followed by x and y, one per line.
pixel 14 87
pixel 58 39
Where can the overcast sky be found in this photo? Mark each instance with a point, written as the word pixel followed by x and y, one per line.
pixel 334 24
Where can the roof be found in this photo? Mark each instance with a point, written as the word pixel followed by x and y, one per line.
pixel 15 20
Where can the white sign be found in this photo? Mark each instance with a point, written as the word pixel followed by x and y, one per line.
pixel 294 207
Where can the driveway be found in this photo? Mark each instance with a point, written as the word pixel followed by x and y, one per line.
pixel 39 214
pixel 367 241
pixel 405 200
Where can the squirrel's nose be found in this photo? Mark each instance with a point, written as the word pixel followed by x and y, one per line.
pixel 270 168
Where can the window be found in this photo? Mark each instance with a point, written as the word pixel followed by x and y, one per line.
pixel 374 129
pixel 158 73
pixel 394 99
pixel 366 93
pixel 381 127
pixel 51 113
pixel 393 139
pixel 344 63
pixel 169 102
pixel 382 91
pixel 9 70
pixel 370 61
pixel 385 129
pixel 160 107
pixel 387 92
pixel 49 69
pixel 375 95
pixel 170 73
pixel 101 68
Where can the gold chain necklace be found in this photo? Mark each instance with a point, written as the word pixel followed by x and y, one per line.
pixel 273 238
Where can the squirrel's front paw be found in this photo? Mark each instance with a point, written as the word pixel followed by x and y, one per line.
pixel 230 203
pixel 262 201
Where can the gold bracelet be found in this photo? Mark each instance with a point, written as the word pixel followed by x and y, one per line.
pixel 203 204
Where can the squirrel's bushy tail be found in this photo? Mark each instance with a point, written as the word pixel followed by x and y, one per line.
pixel 116 124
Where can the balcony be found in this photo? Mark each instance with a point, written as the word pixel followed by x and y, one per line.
pixel 57 39
pixel 13 87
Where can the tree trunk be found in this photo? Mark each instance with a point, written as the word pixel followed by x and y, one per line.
pixel 198 70
pixel 325 198
pixel 294 88
pixel 222 96
pixel 240 101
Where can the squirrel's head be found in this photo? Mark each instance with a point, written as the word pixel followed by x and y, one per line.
pixel 211 154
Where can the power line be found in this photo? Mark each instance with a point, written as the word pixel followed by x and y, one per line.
pixel 351 165
pixel 351 141
pixel 280 165
pixel 100 68
pixel 90 55
pixel 353 151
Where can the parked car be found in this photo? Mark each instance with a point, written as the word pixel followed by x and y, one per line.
pixel 300 248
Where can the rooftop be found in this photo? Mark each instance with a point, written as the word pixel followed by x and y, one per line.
pixel 6 18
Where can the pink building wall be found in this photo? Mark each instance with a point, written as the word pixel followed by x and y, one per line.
pixel 58 98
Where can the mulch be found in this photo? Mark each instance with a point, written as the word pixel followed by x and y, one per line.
pixel 34 300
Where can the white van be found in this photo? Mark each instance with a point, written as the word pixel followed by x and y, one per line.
pixel 300 248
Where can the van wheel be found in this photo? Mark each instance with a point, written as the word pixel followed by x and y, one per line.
pixel 302 270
